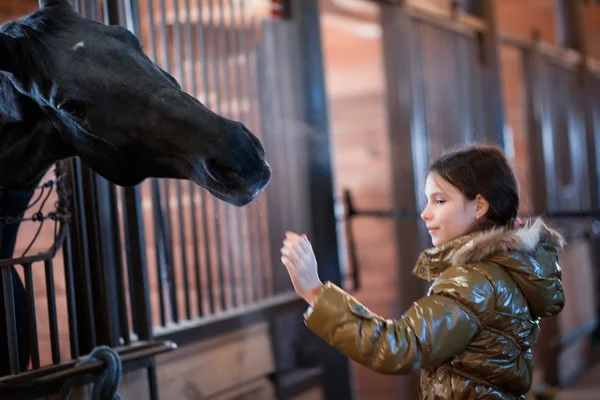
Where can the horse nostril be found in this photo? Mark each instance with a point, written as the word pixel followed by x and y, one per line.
pixel 221 169
pixel 253 138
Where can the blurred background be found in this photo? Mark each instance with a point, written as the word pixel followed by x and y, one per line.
pixel 352 99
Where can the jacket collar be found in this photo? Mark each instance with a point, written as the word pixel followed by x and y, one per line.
pixel 479 246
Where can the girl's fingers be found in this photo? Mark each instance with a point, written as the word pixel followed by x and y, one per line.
pixel 293 256
pixel 306 247
pixel 288 264
pixel 296 247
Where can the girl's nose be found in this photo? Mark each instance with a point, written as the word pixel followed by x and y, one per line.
pixel 425 215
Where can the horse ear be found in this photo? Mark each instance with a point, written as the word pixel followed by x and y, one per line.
pixel 52 3
pixel 8 54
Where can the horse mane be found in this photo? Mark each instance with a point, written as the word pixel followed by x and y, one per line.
pixel 34 29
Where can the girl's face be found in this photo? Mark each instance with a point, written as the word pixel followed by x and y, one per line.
pixel 449 214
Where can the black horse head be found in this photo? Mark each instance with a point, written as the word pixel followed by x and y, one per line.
pixel 87 89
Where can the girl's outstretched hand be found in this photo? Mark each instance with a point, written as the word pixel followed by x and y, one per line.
pixel 298 257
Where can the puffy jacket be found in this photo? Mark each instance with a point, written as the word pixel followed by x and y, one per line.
pixel 471 336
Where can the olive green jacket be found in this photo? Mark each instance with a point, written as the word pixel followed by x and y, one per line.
pixel 471 336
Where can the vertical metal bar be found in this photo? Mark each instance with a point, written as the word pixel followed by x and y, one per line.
pixel 150 30
pixel 249 267
pixel 241 219
pixel 70 289
pixel 183 244
pixel 167 233
pixel 229 212
pixel 258 266
pixel 158 246
pixel 111 12
pixel 11 321
pixel 152 381
pixel 207 260
pixel 203 198
pixel 138 273
pixel 263 256
pixel 82 286
pixel 182 238
pixel 217 206
pixel 191 186
pixel 31 317
pixel 51 297
pixel 198 282
pixel 119 270
pixel 163 32
pixel 106 270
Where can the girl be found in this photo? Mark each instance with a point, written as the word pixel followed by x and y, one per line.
pixel 493 279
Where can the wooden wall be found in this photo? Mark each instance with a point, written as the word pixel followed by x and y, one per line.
pixel 355 82
pixel 357 100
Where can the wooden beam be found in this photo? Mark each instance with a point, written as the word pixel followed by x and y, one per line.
pixel 570 26
pixel 408 151
pixel 492 86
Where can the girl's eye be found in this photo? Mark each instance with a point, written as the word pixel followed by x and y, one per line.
pixel 440 201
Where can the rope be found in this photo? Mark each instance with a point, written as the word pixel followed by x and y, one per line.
pixel 107 383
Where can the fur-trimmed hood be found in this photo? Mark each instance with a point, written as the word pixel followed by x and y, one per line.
pixel 529 253
pixel 525 239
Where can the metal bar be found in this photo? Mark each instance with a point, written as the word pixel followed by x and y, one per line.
pixel 192 88
pixel 152 381
pixel 122 309
pixel 259 264
pixel 182 237
pixel 127 354
pixel 207 254
pixel 158 247
pixel 111 12
pixel 217 205
pixel 200 43
pixel 51 298
pixel 83 286
pixel 353 212
pixel 71 304
pixel 167 233
pixel 233 319
pixel 49 380
pixel 241 220
pixel 163 32
pixel 257 238
pixel 138 272
pixel 106 268
pixel 196 241
pixel 11 321
pixel 150 30
pixel 229 211
pixel 31 317
pixel 183 245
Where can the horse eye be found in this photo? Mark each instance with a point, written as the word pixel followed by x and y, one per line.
pixel 74 108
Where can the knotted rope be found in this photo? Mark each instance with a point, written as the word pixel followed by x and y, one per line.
pixel 107 383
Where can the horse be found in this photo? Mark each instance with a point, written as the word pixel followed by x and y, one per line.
pixel 71 86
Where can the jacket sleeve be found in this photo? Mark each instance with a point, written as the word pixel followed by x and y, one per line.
pixel 433 329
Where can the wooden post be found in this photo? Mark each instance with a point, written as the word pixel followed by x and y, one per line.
pixel 570 29
pixel 404 142
pixel 336 366
pixel 492 85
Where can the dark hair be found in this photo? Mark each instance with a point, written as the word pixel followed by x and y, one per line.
pixel 484 170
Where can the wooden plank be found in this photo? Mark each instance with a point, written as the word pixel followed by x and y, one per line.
pixel 311 394
pixel 445 18
pixel 216 365
pixel 260 389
